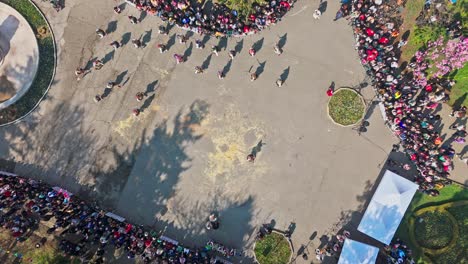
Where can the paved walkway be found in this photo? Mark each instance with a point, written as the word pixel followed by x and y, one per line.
pixel 184 156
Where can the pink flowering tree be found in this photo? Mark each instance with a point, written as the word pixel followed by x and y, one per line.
pixel 440 58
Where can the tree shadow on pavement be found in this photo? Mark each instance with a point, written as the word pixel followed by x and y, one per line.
pixel 160 162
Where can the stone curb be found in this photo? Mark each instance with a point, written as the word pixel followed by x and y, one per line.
pixel 289 243
pixel 363 103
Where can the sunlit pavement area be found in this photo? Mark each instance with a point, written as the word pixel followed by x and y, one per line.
pixel 184 156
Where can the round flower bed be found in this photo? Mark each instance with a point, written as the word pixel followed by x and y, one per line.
pixel 346 107
pixel 435 230
pixel 47 61
pixel 273 249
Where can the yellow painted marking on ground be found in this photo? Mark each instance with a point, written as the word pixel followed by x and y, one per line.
pixel 227 164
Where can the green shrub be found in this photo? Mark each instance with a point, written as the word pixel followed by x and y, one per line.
pixel 273 249
pixel 435 231
pixel 427 33
pixel 346 107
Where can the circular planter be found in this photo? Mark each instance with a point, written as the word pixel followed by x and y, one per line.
pixel 272 249
pixel 42 81
pixel 346 107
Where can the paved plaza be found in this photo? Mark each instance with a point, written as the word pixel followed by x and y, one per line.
pixel 184 156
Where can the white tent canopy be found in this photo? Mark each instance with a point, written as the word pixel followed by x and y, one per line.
pixel 354 252
pixel 387 207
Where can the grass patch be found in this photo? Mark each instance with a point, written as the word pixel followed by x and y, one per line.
pixel 409 16
pixel 346 107
pixel 47 254
pixel 243 7
pixel 435 231
pixel 459 93
pixel 273 249
pixel 451 193
pixel 46 63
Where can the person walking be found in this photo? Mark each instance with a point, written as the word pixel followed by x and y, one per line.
pixel 139 96
pixel 97 64
pixel 137 43
pixel 278 50
pixel 232 54
pixel 179 58
pixel 136 112
pixel 253 77
pixel 279 82
pixel 252 51
pixel 221 75
pixel 162 48
pixel 101 33
pixel 317 14
pixel 215 50
pixel 115 45
pixel 97 98
pixel 133 20
pixel 198 69
pixel 199 44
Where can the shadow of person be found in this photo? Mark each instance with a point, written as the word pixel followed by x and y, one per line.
pixel 257 149
pixel 151 87
pixel 323 6
pixel 108 57
pixel 222 44
pixel 147 37
pixel 206 62
pixel 261 67
pixel 258 44
pixel 147 102
pixel 458 103
pixel 282 40
pixel 188 51
pixel 89 64
pixel 171 41
pixel 227 67
pixel 120 77
pixel 205 39
pixel 142 15
pixel 111 27
pixel 239 46
pixel 284 76
pixel 8 29
pixel 126 38
pixel 106 93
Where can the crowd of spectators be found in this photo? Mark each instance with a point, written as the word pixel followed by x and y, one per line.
pixel 410 108
pixel 218 19
pixel 24 203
